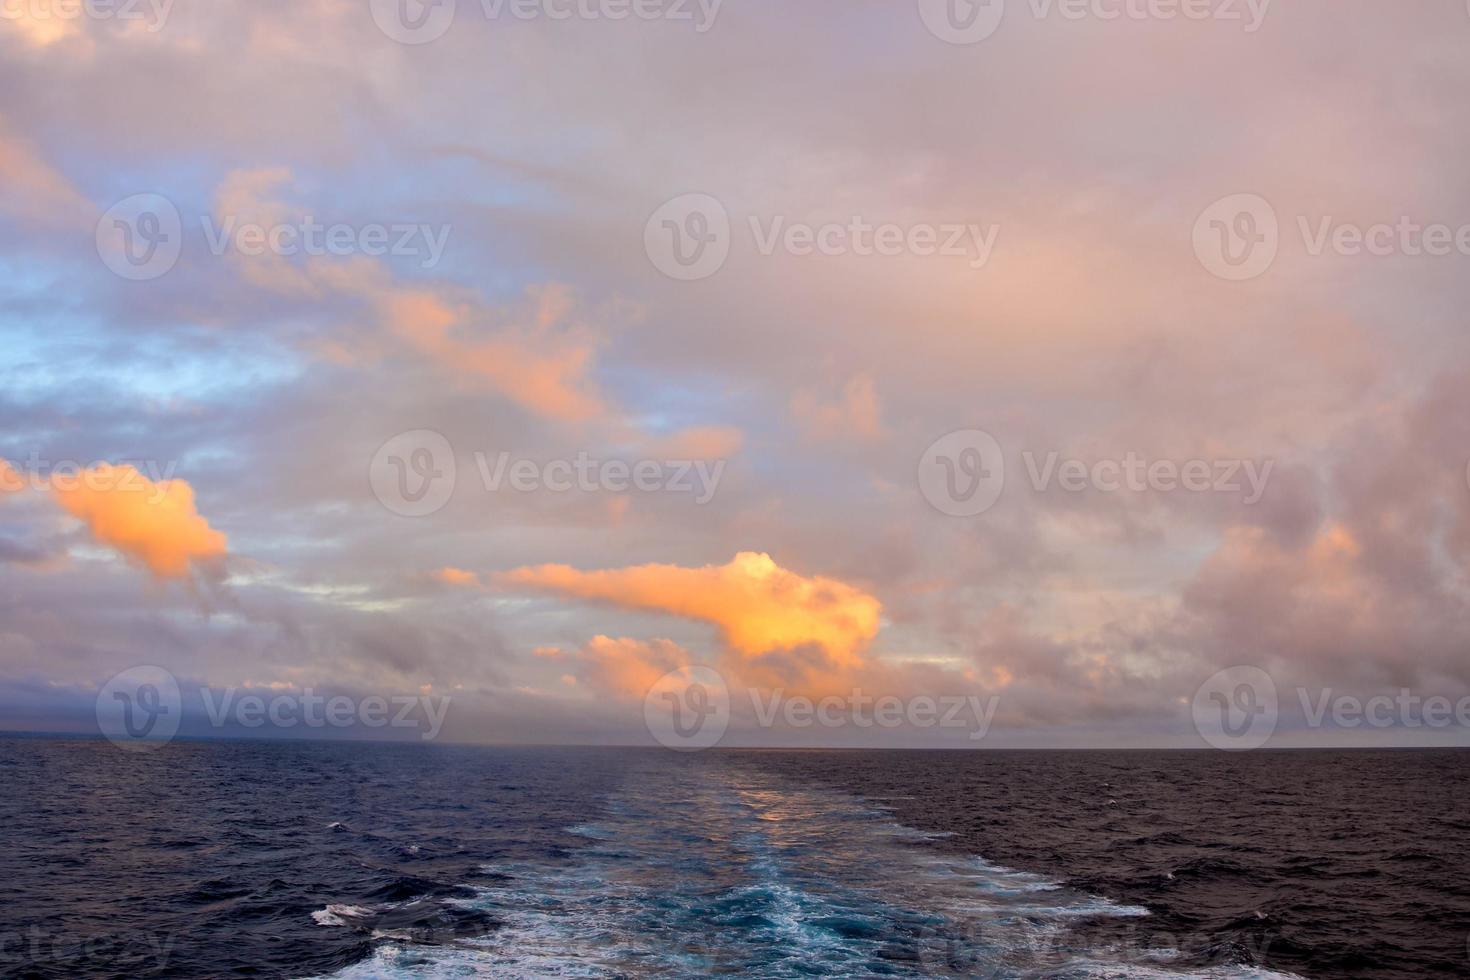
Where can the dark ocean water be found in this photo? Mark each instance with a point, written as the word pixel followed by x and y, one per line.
pixel 302 859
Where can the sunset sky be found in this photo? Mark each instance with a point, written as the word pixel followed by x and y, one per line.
pixel 236 413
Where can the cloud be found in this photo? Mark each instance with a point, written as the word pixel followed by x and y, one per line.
pixel 1375 591
pixel 33 190
pixel 450 575
pixel 627 666
pixel 153 524
pixel 39 25
pixel 247 197
pixel 538 353
pixel 760 608
pixel 10 480
pixel 698 442
pixel 14 552
pixel 854 412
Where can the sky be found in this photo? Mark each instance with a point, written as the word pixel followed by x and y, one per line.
pixel 1039 360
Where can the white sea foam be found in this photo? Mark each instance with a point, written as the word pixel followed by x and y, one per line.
pixel 758 878
pixel 337 915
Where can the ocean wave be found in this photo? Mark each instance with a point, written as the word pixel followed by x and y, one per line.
pixel 337 915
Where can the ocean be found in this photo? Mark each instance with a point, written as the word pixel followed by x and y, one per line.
pixel 215 858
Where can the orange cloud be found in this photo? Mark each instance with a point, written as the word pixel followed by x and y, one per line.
pixel 699 442
pixel 759 607
pixel 155 524
pixel 627 666
pixel 537 354
pixel 39 28
pixel 535 360
pixel 450 575
pixel 10 481
pixel 246 197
